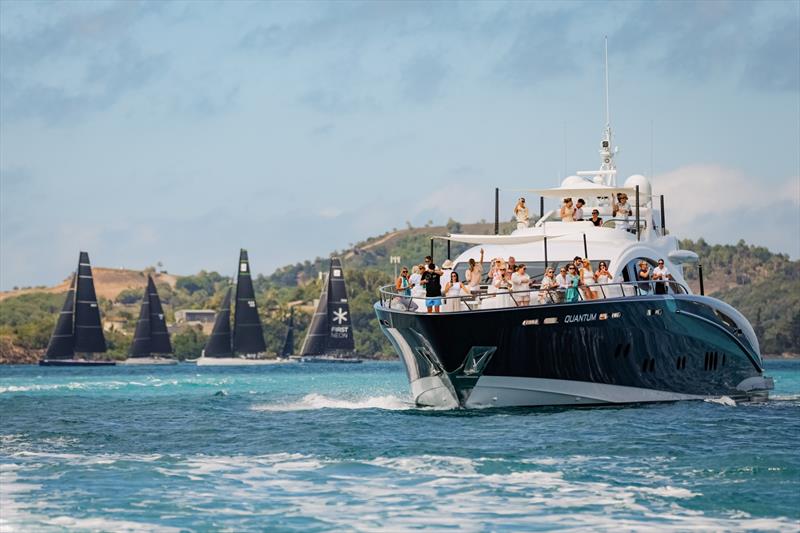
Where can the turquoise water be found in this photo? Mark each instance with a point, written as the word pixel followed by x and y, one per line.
pixel 319 447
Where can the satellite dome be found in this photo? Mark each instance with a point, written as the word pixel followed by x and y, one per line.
pixel 572 182
pixel 645 189
pixel 599 180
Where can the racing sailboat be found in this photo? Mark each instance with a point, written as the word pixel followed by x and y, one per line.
pixel 78 332
pixel 330 335
pixel 151 339
pixel 244 344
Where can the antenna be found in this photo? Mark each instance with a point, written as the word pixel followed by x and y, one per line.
pixel 608 115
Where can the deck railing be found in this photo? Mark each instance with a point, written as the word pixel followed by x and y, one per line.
pixel 483 299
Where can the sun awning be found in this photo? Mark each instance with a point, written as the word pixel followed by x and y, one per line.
pixel 590 190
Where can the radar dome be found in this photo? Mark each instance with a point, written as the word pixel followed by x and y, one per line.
pixel 571 182
pixel 599 180
pixel 644 188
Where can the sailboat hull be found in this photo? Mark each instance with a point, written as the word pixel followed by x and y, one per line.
pixel 330 359
pixel 149 361
pixel 74 362
pixel 239 361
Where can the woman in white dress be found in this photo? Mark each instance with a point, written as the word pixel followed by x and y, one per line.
pixel 503 286
pixel 452 290
pixel 623 210
pixel 521 214
pixel 567 211
pixel 587 280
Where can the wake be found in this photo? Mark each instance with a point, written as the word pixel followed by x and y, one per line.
pixel 315 401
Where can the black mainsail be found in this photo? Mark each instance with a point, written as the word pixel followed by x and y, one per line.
pixel 219 342
pixel 331 330
pixel 88 330
pixel 78 328
pixel 288 341
pixel 248 335
pixel 151 336
pixel 62 341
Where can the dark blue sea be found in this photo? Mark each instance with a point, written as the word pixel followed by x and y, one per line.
pixel 338 447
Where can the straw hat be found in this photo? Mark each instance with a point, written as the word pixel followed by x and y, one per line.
pixel 447 264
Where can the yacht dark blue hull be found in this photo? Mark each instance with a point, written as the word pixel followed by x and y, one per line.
pixel 626 350
pixel 74 362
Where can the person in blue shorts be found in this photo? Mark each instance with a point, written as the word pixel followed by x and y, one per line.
pixel 433 288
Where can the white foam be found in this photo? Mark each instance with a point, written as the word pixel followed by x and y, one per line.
pixel 722 400
pixel 318 401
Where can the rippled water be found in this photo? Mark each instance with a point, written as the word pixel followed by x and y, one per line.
pixel 317 447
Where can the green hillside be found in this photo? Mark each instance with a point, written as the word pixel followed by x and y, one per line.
pixel 763 285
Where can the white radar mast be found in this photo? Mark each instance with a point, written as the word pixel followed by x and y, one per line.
pixel 607 175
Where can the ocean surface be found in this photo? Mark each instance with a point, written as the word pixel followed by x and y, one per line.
pixel 338 447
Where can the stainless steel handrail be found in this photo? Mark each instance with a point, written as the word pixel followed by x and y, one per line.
pixel 473 301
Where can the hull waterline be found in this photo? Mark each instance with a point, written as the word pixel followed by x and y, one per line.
pixel 238 361
pixel 149 361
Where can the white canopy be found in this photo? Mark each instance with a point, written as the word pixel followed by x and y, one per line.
pixel 588 189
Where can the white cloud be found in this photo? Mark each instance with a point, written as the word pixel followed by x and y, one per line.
pixel 724 205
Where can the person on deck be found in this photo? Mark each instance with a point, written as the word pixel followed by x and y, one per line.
pixel 567 211
pixel 578 215
pixel 453 289
pixel 661 276
pixel 521 281
pixel 521 214
pixel 644 276
pixel 433 288
pixel 447 268
pixel 587 280
pixel 623 210
pixel 474 273
pixel 603 276
pixel 573 280
pixel 403 287
pixel 562 284
pixel 596 220
pixel 548 285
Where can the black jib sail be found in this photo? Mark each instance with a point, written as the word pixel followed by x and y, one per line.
pixel 62 341
pixel 88 330
pixel 219 342
pixel 288 342
pixel 151 336
pixel 248 335
pixel 331 329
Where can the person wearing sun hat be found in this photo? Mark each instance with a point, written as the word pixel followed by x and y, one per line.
pixel 447 268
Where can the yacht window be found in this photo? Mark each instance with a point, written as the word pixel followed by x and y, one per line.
pixel 726 319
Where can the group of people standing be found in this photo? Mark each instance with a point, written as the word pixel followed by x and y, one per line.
pixel 508 284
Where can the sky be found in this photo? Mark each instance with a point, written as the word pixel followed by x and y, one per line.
pixel 179 132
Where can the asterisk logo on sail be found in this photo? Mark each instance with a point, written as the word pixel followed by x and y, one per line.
pixel 340 315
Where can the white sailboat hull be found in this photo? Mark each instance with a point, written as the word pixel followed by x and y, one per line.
pixel 239 361
pixel 149 361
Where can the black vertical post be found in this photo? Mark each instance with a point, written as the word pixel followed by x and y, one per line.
pixel 663 218
pixel 541 207
pixel 700 273
pixel 585 249
pixel 496 211
pixel 638 225
pixel 545 254
pixel 448 248
pixel 431 250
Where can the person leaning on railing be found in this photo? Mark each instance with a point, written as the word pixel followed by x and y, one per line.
pixel 453 291
pixel 521 281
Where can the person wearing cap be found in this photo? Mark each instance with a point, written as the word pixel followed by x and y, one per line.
pixel 548 284
pixel 521 214
pixel 596 220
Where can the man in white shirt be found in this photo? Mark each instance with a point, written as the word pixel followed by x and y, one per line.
pixel 447 268
pixel 660 273
pixel 578 215
pixel 562 283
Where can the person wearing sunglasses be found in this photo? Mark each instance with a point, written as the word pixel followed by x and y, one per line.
pixel 548 287
pixel 521 214
pixel 573 280
pixel 602 275
pixel 661 276
pixel 520 286
pixel 596 220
